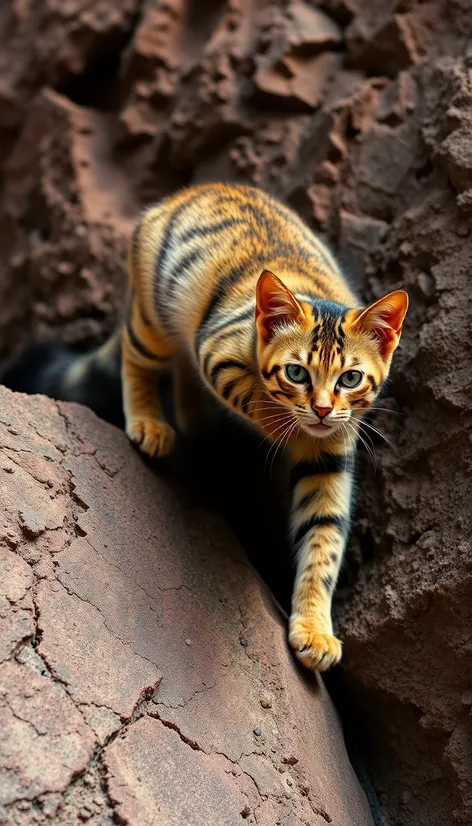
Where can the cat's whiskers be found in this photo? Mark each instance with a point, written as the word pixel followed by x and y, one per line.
pixel 279 441
pixel 383 409
pixel 375 430
pixel 285 424
pixel 283 438
pixel 370 449
pixel 271 412
pixel 349 441
pixel 346 436
pixel 363 424
pixel 279 427
pixel 265 402
pixel 276 416
pixel 279 411
pixel 269 409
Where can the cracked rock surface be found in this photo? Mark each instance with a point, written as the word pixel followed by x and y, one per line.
pixel 144 676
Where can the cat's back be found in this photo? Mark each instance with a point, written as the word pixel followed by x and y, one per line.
pixel 207 216
pixel 206 246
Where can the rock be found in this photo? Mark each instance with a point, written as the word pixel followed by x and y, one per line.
pixel 146 780
pixel 293 71
pixel 53 46
pixel 310 29
pixel 397 100
pixel 456 155
pixel 95 661
pixel 409 601
pixel 385 158
pixel 80 212
pixel 45 741
pixel 389 43
pixel 298 83
pixel 16 625
pixel 359 238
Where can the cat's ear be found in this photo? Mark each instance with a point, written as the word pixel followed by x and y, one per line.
pixel 384 319
pixel 274 304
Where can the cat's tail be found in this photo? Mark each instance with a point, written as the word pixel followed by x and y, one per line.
pixel 92 378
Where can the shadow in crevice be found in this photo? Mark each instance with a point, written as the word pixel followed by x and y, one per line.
pixel 98 86
pixel 355 738
pixel 229 474
pixel 229 470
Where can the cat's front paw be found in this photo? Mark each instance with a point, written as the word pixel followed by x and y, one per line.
pixel 317 650
pixel 154 437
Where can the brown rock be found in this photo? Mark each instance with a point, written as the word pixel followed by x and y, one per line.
pixel 385 159
pixel 292 71
pixel 398 99
pixel 80 212
pixel 297 82
pixel 145 782
pixel 97 645
pixel 410 599
pixel 53 45
pixel 45 741
pixel 359 238
pixel 389 43
pixel 152 58
pixel 456 153
pixel 310 29
pixel 16 603
pixel 123 676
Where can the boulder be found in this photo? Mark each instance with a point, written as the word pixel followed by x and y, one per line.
pixel 145 674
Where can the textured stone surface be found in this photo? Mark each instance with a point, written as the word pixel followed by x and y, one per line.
pixel 144 670
pixel 45 741
pixel 359 114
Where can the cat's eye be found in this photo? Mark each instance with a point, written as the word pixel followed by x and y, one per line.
pixel 350 379
pixel 297 373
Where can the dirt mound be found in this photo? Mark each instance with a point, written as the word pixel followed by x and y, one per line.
pixel 359 115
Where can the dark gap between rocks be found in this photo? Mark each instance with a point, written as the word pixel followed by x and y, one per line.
pixel 98 86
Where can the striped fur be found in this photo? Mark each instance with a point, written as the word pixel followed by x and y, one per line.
pixel 231 288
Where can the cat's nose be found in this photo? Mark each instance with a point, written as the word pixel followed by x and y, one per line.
pixel 322 411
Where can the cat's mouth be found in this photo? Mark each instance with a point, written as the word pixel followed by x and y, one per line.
pixel 320 429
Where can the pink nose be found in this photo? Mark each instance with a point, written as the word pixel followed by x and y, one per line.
pixel 322 411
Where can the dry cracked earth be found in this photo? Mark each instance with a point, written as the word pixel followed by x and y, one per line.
pixel 140 652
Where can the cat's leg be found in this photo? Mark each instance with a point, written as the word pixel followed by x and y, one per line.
pixel 320 522
pixel 145 354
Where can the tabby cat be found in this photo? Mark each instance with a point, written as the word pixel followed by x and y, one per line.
pixel 229 284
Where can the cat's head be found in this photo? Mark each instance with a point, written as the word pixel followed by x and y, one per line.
pixel 323 361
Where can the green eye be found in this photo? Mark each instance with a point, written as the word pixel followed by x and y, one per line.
pixel 297 373
pixel 350 379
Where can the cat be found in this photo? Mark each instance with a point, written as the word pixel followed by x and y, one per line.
pixel 228 284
